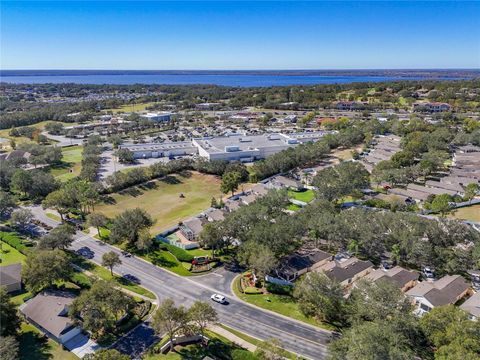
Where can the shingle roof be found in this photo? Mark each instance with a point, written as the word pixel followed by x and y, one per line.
pixel 50 311
pixel 347 269
pixel 441 292
pixel 472 305
pixel 397 275
pixel 10 274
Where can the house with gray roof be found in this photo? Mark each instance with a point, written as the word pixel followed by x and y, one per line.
pixel 11 277
pixel 48 311
pixel 300 263
pixel 472 306
pixel 446 291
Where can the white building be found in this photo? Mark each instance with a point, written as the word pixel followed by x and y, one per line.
pixel 158 117
pixel 167 149
pixel 247 148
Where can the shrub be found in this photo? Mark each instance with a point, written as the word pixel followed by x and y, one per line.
pixel 142 309
pixel 279 289
pixel 180 254
pixel 240 354
pixel 14 241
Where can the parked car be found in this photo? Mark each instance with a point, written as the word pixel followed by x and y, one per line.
pixel 218 298
pixel 428 273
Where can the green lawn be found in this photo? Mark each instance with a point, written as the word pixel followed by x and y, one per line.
pixel 255 341
pixel 131 107
pixel 9 255
pixel 218 348
pixel 168 261
pixel 53 216
pixel 105 274
pixel 471 213
pixel 35 346
pixel 4 133
pixel 305 196
pixel 293 207
pixel 161 199
pixel 282 304
pixel 71 164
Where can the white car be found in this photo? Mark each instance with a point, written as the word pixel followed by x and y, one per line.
pixel 218 298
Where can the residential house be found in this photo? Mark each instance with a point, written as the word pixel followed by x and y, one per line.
pixel 445 291
pixel 350 105
pixel 49 312
pixel 192 227
pixel 346 270
pixel 300 263
pixel 472 306
pixel 215 215
pixel 432 107
pixel 283 182
pixel 398 276
pixel 16 155
pixel 11 277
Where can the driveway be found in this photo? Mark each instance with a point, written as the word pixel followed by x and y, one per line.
pixel 137 341
pixel 82 345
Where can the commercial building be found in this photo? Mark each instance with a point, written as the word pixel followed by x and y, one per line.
pixel 167 149
pixel 247 148
pixel 158 117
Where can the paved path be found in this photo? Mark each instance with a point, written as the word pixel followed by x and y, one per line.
pixel 233 338
pixel 306 340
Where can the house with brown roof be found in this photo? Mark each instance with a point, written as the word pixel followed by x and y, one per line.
pixel 283 182
pixel 11 277
pixel 346 270
pixel 446 291
pixel 398 276
pixel 48 311
pixel 215 215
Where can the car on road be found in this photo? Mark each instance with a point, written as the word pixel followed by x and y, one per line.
pixel 126 254
pixel 86 252
pixel 218 298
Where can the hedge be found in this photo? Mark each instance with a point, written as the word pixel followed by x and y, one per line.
pixel 279 289
pixel 14 241
pixel 180 254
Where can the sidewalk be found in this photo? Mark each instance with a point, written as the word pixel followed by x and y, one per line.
pixel 233 338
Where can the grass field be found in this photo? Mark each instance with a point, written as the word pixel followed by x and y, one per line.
pixel 131 107
pixel 21 140
pixel 293 207
pixel 282 304
pixel 35 346
pixel 71 164
pixel 471 213
pixel 161 199
pixel 305 196
pixel 10 255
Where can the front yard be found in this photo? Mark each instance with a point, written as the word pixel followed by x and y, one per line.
pixel 279 303
pixel 9 255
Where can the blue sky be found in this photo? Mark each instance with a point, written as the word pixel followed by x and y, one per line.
pixel 239 35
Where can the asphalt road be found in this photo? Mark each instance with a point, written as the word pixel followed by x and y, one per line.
pixel 300 338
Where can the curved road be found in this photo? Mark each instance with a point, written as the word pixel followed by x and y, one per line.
pixel 297 337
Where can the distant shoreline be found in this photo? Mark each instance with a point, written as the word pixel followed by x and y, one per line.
pixel 427 73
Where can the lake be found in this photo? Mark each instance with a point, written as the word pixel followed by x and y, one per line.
pixel 239 80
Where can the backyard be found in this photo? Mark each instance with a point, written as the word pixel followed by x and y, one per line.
pixel 35 346
pixel 9 255
pixel 71 164
pixel 161 199
pixel 306 195
pixel 471 213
